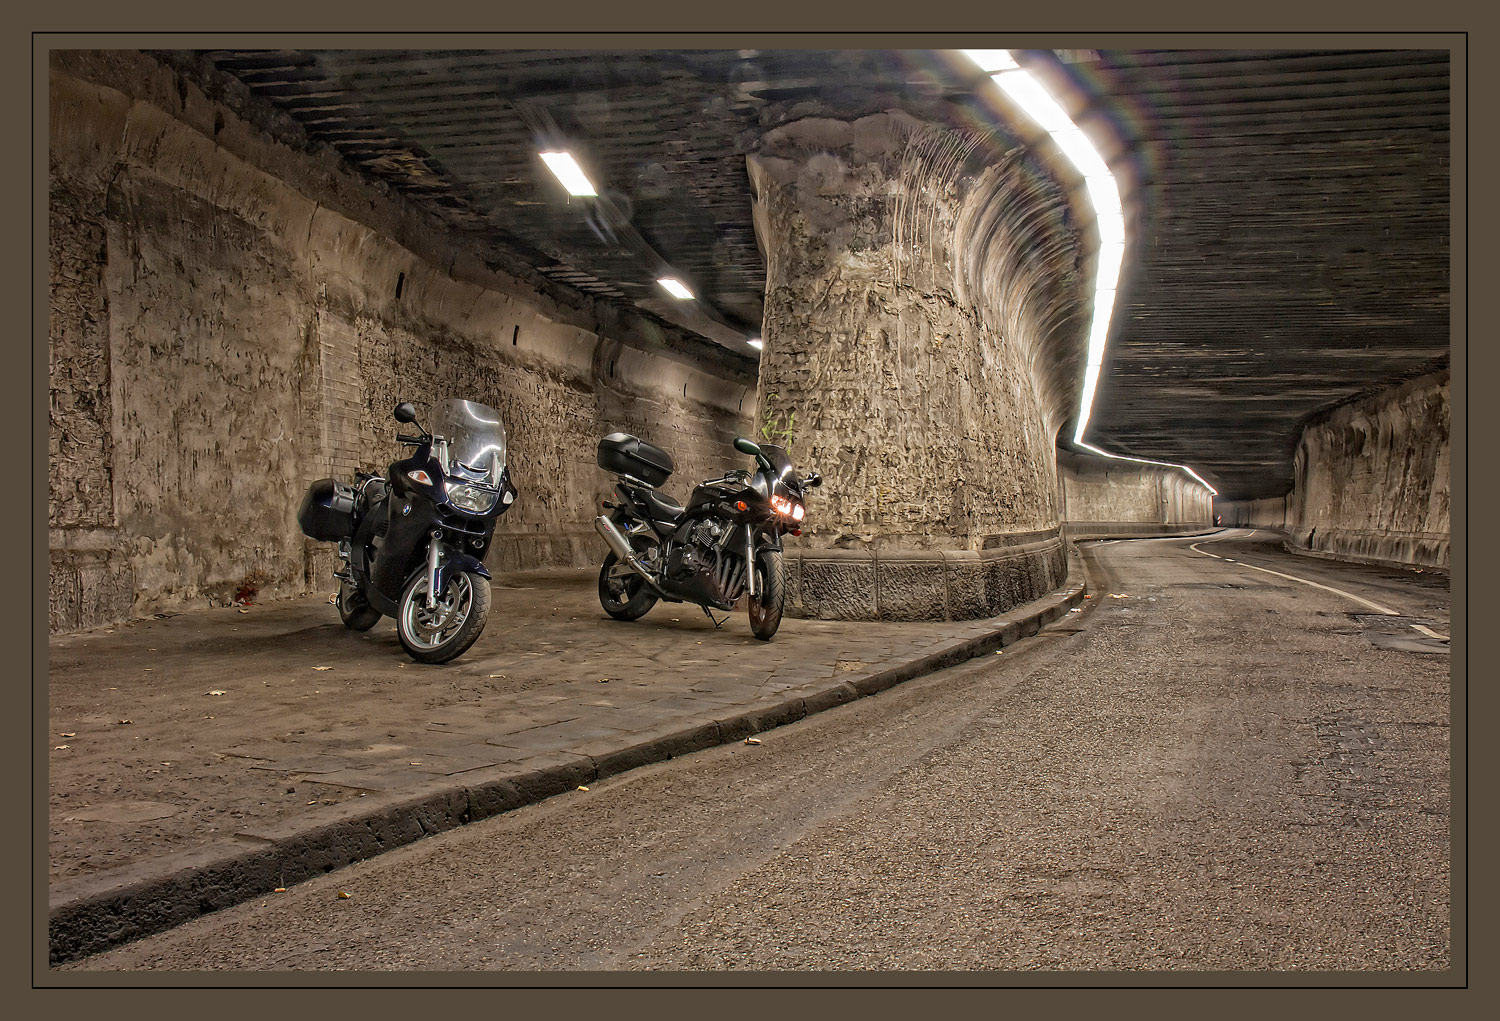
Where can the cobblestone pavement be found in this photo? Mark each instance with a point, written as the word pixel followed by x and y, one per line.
pixel 174 740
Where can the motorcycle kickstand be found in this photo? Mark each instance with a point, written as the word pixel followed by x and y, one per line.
pixel 717 623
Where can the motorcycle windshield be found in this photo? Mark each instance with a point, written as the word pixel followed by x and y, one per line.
pixel 781 465
pixel 469 441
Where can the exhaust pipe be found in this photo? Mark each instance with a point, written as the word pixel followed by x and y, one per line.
pixel 621 548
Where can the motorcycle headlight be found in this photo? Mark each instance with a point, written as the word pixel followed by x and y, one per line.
pixel 787 507
pixel 471 498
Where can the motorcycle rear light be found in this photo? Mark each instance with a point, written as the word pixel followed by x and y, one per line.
pixel 741 505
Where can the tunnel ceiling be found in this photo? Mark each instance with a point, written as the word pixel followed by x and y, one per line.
pixel 1287 211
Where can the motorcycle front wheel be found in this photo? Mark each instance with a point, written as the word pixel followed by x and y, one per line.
pixel 354 609
pixel 444 631
pixel 623 593
pixel 770 595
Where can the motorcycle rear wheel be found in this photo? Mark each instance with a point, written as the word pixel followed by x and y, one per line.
pixel 624 597
pixel 354 609
pixel 770 595
pixel 445 631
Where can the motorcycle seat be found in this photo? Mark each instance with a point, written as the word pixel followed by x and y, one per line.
pixel 662 507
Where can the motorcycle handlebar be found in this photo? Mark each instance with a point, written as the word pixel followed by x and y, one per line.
pixel 401 438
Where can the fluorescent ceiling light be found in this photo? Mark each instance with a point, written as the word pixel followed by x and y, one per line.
pixel 675 289
pixel 990 61
pixel 1144 460
pixel 1104 195
pixel 1035 100
pixel 1111 256
pixel 757 343
pixel 1077 147
pixel 569 173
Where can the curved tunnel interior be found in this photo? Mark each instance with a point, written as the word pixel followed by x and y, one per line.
pixel 305 235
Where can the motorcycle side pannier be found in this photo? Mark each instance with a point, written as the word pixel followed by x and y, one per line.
pixel 631 455
pixel 327 511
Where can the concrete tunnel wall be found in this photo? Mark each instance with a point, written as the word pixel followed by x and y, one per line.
pixel 1371 480
pixel 923 330
pixel 220 336
pixel 233 316
pixel 1104 497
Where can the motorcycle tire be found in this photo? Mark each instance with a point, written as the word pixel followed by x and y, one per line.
pixel 624 598
pixel 446 631
pixel 770 595
pixel 354 609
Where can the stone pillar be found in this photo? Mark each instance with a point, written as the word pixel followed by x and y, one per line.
pixel 923 340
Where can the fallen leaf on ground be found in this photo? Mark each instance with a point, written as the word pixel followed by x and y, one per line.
pixel 216 691
pixel 124 721
pixel 61 748
pixel 322 668
pixel 343 895
pixel 68 733
pixel 604 680
pixel 280 889
pixel 243 610
pixel 413 763
pixel 583 788
pixel 752 740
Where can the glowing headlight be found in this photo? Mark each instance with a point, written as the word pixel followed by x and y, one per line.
pixel 787 508
pixel 471 498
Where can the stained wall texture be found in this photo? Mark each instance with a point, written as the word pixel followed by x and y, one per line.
pixel 1106 496
pixel 1371 479
pixel 220 337
pixel 923 319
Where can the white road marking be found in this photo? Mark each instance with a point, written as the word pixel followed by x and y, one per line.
pixel 1326 588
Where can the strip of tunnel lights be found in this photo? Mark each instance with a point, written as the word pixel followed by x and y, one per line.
pixel 569 173
pixel 1034 100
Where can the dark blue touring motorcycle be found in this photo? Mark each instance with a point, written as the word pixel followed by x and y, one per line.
pixel 412 545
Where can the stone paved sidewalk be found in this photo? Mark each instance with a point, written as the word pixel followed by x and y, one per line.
pixel 209 756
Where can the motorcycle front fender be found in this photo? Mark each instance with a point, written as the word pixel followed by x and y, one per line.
pixel 457 560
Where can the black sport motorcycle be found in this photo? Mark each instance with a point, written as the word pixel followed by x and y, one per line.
pixel 412 545
pixel 724 544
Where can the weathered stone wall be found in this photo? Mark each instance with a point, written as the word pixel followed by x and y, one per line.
pixel 219 338
pixel 1371 478
pixel 1269 512
pixel 1104 496
pixel 922 327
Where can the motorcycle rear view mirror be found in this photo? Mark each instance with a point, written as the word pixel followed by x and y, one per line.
pixel 813 479
pixel 405 412
pixel 745 446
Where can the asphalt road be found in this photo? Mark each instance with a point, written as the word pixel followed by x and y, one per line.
pixel 1210 768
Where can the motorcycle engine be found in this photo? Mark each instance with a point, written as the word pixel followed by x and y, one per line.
pixel 699 565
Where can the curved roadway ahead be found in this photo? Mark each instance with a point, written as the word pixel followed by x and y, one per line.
pixel 1212 767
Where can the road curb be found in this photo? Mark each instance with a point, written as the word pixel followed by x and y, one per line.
pixel 207 882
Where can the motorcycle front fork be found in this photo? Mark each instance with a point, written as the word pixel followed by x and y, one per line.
pixel 434 551
pixel 750 560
